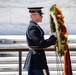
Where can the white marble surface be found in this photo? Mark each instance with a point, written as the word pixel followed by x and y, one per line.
pixel 14 16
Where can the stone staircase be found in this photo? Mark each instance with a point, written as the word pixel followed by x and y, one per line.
pixel 9 63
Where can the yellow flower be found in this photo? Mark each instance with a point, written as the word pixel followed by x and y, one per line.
pixel 66 35
pixel 65 51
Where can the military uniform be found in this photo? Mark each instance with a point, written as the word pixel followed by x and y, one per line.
pixel 36 43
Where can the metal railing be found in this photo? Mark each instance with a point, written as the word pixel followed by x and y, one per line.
pixel 23 47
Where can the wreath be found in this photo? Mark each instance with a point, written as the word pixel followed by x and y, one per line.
pixel 58 26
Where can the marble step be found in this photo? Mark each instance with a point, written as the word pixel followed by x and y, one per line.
pixel 9 63
pixel 24 53
pixel 25 73
pixel 15 60
pixel 15 67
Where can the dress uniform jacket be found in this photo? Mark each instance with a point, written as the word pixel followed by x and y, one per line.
pixel 35 38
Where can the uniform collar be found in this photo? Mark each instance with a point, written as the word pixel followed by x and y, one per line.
pixel 31 21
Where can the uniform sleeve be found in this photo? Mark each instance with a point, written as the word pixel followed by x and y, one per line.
pixel 35 35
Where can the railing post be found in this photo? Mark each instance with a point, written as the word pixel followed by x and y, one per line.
pixel 20 62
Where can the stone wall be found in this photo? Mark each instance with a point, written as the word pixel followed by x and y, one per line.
pixel 14 16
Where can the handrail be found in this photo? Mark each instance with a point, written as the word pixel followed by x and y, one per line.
pixel 23 47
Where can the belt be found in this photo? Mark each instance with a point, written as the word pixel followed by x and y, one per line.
pixel 35 48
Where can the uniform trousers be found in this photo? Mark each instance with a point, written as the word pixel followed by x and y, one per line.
pixel 39 72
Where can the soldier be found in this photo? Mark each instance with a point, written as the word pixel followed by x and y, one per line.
pixel 36 63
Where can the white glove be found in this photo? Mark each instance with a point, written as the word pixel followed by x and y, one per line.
pixel 54 33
